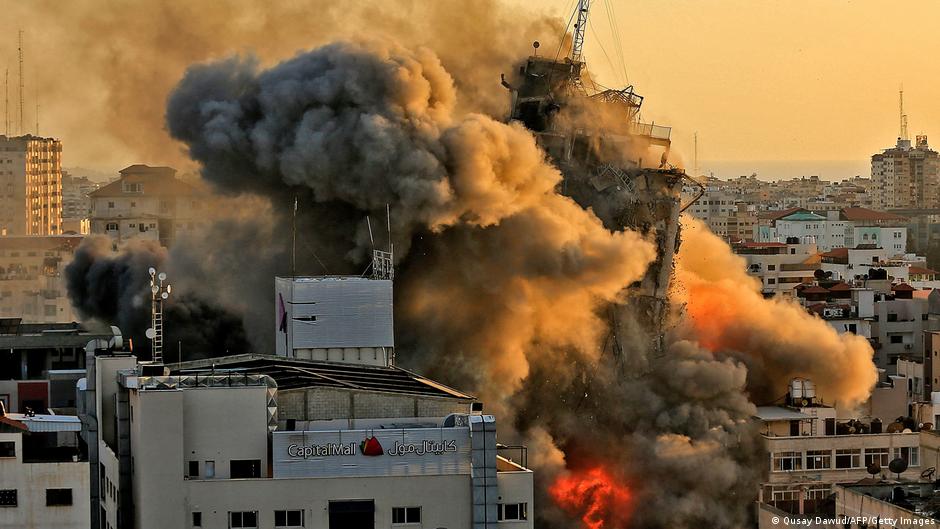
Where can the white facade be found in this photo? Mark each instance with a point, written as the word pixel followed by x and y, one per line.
pixel 41 489
pixel 210 451
pixel 337 319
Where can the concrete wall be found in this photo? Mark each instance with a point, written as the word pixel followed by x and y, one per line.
pixel 320 404
pixel 444 500
pixel 31 481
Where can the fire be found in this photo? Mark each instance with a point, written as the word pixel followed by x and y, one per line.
pixel 594 495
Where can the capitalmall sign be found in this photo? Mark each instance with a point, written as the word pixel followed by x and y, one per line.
pixel 372 447
pixel 378 452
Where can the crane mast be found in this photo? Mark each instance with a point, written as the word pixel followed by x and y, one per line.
pixel 577 42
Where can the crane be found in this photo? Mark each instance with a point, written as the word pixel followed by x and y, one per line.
pixel 577 41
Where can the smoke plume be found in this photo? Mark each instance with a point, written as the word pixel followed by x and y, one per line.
pixel 776 338
pixel 505 287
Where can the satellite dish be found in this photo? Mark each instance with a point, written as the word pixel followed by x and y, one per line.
pixel 804 403
pixel 152 270
pixel 150 333
pixel 536 44
pixel 169 288
pixel 162 276
pixel 873 468
pixel 928 474
pixel 897 465
pixel 154 289
pixel 164 295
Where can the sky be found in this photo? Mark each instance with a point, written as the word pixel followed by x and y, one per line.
pixel 794 81
pixel 779 87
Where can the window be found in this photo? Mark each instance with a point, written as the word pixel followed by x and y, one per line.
pixel 897 338
pixel 193 469
pixel 818 459
pixel 512 511
pixel 8 448
pixel 877 455
pixel 818 492
pixel 771 281
pixel 771 267
pixel 786 461
pixel 245 468
pixel 55 497
pixel 848 458
pixel 403 515
pixel 8 498
pixel 289 518
pixel 909 454
pixel 243 519
pixel 210 469
pixel 197 519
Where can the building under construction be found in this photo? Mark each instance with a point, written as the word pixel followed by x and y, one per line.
pixel 612 162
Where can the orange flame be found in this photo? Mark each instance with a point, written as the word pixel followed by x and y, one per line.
pixel 595 496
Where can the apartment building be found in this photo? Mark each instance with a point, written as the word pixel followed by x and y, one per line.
pixel 32 283
pixel 906 176
pixel 780 266
pixel 30 185
pixel 44 472
pixel 146 203
pixel 76 202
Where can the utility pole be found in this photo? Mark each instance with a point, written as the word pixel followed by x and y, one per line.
pixel 160 292
pixel 22 124
pixel 6 103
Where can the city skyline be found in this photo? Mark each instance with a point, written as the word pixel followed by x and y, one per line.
pixel 744 66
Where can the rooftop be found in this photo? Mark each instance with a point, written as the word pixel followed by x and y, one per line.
pixel 17 335
pixel 869 214
pixel 42 423
pixel 803 215
pixel 779 214
pixel 779 413
pixel 291 373
pixel 156 181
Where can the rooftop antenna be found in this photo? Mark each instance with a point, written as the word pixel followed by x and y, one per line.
pixel 382 261
pixel 535 46
pixel 6 103
pixel 903 116
pixel 159 293
pixel 695 154
pixel 293 244
pixel 22 124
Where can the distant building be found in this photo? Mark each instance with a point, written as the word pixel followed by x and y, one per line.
pixel 811 448
pixel 906 177
pixel 76 204
pixel 30 185
pixel 842 228
pixel 145 203
pixel 32 285
pixel 780 266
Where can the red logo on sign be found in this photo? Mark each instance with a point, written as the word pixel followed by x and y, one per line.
pixel 370 446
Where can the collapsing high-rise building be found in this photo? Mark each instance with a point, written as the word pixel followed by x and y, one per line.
pixel 612 162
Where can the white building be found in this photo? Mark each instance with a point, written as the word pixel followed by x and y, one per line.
pixel 845 228
pixel 780 266
pixel 145 203
pixel 44 474
pixel 255 441
pixel 810 449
